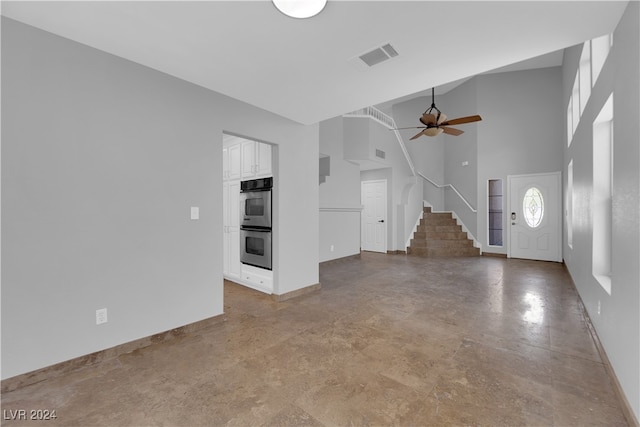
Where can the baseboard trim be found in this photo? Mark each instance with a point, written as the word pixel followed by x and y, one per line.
pixel 493 254
pixel 297 293
pixel 626 407
pixel 340 260
pixel 397 252
pixel 77 363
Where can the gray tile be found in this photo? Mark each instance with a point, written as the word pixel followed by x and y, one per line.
pixel 388 340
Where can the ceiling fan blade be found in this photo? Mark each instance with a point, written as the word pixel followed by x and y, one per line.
pixel 462 120
pixel 410 127
pixel 428 119
pixel 417 135
pixel 451 131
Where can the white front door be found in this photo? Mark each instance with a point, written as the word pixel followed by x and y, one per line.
pixel 374 216
pixel 535 217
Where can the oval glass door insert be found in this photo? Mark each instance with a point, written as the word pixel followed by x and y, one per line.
pixel 533 207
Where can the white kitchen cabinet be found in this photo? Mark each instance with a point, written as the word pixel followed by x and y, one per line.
pixel 263 160
pixel 256 159
pixel 257 278
pixel 231 159
pixel 231 229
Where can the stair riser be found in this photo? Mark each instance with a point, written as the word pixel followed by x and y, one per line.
pixel 438 221
pixel 441 243
pixel 439 229
pixel 458 235
pixel 450 252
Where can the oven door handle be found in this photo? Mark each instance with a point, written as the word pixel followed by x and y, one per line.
pixel 259 230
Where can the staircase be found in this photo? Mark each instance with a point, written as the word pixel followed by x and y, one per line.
pixel 439 235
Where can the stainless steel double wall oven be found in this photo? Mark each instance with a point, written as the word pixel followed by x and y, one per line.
pixel 255 222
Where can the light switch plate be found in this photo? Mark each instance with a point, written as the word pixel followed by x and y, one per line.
pixel 101 316
pixel 195 212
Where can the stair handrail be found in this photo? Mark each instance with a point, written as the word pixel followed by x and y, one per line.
pixel 453 188
pixel 388 122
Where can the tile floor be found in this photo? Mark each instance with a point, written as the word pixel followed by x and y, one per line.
pixel 388 340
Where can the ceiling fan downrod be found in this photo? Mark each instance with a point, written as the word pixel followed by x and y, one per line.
pixel 433 105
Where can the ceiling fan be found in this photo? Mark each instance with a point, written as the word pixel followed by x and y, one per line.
pixel 435 122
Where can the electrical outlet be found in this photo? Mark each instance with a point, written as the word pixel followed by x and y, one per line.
pixel 331 248
pixel 101 316
pixel 195 212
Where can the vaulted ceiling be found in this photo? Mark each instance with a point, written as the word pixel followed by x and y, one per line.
pixel 308 70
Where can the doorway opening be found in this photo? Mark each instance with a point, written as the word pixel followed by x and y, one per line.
pixel 246 163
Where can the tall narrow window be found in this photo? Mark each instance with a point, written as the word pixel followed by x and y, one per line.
pixel 602 192
pixel 570 122
pixel 575 95
pixel 569 204
pixel 585 75
pixel 600 48
pixel 495 212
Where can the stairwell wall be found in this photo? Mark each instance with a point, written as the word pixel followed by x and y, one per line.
pixel 426 153
pixel 461 102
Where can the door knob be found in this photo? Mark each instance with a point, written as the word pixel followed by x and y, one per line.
pixel 382 220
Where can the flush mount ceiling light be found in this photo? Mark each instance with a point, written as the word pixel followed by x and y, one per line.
pixel 300 8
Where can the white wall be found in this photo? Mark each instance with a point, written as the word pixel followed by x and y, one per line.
pixel 101 161
pixel 521 132
pixel 617 322
pixel 340 206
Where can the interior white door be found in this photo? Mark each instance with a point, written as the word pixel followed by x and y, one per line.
pixel 535 230
pixel 374 216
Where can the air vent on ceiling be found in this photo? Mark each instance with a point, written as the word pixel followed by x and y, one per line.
pixel 374 57
pixel 380 154
pixel 379 55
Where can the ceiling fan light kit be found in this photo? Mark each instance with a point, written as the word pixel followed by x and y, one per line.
pixel 435 122
pixel 433 131
pixel 300 8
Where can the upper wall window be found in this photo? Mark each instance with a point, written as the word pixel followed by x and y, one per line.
pixel 570 121
pixel 600 48
pixel 592 58
pixel 575 105
pixel 584 71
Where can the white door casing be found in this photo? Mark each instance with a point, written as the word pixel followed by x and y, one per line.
pixel 539 237
pixel 231 232
pixel 374 216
